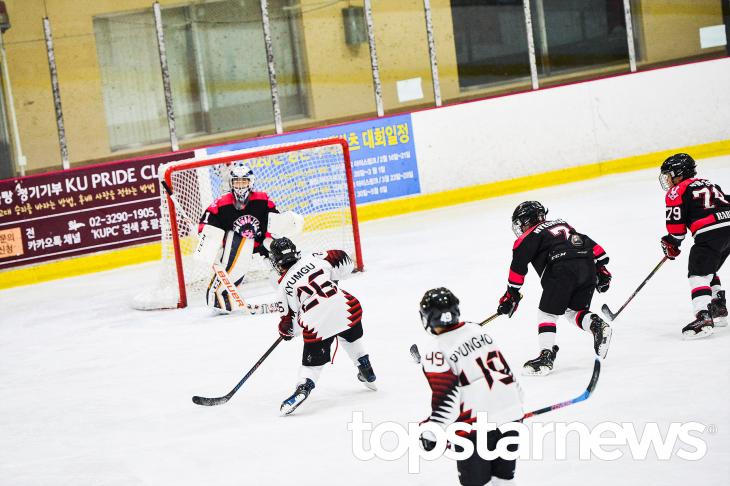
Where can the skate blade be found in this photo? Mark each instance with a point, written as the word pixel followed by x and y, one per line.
pixel 544 370
pixel 720 321
pixel 370 384
pixel 287 408
pixel 603 348
pixel 704 332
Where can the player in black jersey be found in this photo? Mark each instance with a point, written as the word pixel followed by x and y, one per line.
pixel 698 205
pixel 237 225
pixel 571 266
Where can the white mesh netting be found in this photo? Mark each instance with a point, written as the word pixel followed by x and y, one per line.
pixel 311 181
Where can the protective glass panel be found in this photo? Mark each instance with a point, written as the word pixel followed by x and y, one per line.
pixel 578 38
pixel 490 42
pixel 668 31
pixel 403 57
pixel 335 73
pixel 132 93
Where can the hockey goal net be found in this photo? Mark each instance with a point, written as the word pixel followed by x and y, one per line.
pixel 313 179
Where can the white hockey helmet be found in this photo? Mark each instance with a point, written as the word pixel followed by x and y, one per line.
pixel 241 181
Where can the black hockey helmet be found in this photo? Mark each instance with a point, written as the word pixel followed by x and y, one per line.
pixel 678 165
pixel 439 308
pixel 527 215
pixel 283 254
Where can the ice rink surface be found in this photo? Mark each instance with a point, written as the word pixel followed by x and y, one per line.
pixel 95 393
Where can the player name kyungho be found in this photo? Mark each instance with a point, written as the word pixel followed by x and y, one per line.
pixel 470 346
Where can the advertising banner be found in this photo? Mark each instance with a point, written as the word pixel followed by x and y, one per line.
pixel 84 210
pixel 382 153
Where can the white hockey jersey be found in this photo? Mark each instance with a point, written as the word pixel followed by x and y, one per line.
pixel 468 374
pixel 319 308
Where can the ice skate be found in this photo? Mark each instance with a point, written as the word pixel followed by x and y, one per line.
pixel 718 310
pixel 297 398
pixel 601 335
pixel 542 365
pixel 365 372
pixel 702 326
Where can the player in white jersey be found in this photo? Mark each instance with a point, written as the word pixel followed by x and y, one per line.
pixel 468 374
pixel 317 308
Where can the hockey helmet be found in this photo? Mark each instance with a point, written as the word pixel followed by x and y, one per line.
pixel 439 309
pixel 283 254
pixel 678 165
pixel 241 180
pixel 527 215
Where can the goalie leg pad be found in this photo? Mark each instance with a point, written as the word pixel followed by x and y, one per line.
pixel 217 296
pixel 209 244
pixel 237 256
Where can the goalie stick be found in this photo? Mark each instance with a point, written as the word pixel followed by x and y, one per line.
pixel 210 402
pixel 240 304
pixel 416 355
pixel 611 315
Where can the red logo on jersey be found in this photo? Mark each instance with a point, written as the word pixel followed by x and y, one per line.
pixel 247 226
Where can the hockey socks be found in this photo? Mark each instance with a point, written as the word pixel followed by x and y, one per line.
pixel 701 291
pixel 546 329
pixel 356 351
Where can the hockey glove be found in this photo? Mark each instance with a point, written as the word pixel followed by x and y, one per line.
pixel 670 246
pixel 428 440
pixel 286 327
pixel 603 281
pixel 509 302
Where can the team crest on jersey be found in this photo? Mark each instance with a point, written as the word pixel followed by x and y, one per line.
pixel 673 193
pixel 247 226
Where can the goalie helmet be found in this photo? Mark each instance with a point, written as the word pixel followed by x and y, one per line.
pixel 241 180
pixel 283 254
pixel 678 165
pixel 527 215
pixel 439 309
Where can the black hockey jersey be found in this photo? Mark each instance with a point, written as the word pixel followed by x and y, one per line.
pixel 250 222
pixel 548 242
pixel 697 205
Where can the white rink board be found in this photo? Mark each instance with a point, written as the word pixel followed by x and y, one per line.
pixel 568 126
pixel 92 392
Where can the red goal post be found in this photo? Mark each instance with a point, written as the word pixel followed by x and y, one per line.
pixel 312 178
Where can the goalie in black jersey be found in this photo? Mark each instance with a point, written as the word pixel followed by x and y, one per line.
pixel 571 267
pixel 698 205
pixel 237 225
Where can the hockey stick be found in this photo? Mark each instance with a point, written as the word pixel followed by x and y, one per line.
pixel 415 354
pixel 240 304
pixel 611 315
pixel 489 319
pixel 209 402
pixel 584 396
pixel 497 314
